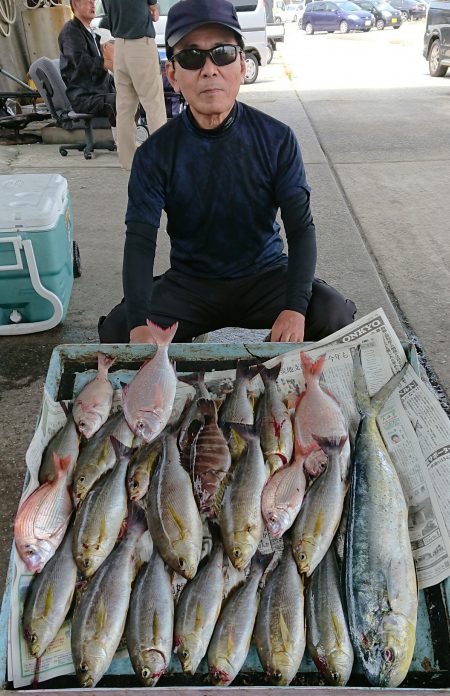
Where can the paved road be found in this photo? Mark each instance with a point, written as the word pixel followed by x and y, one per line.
pixel 375 145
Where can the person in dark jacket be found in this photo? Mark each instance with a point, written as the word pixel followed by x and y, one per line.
pixel 221 171
pixel 85 65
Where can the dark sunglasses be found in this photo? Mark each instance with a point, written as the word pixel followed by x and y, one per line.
pixel 195 58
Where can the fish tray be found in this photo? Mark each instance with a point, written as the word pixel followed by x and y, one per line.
pixel 430 668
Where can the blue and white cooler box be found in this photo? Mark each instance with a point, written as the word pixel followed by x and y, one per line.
pixel 36 252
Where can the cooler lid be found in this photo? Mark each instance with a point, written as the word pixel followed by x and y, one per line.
pixel 31 201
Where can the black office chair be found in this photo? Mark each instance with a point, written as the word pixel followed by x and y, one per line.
pixel 46 75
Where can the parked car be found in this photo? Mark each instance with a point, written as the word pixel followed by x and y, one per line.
pixel 410 9
pixel 335 16
pixel 436 41
pixel 292 12
pixel 385 15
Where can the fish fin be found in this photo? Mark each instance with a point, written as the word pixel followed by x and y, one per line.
pixel 311 367
pixel 302 450
pixel 104 363
pixel 328 444
pixel 285 637
pixel 103 530
pixel 230 641
pixel 48 602
pixel 120 449
pixel 101 618
pixel 160 336
pixel 337 628
pixel 124 390
pixel 178 521
pixel 218 498
pixel 270 374
pixel 156 627
pixel 207 408
pixel 198 625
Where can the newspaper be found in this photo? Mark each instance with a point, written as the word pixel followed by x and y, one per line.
pixel 413 425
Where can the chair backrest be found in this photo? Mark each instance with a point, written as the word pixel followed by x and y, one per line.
pixel 46 76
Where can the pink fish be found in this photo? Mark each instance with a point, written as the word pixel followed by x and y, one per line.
pixel 317 412
pixel 149 397
pixel 42 518
pixel 92 406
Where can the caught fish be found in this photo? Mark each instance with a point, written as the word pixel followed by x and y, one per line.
pixel 318 413
pixel 149 629
pixel 149 397
pixel 230 641
pixel 240 517
pixel 280 625
pixel 100 516
pixel 49 598
pixel 92 406
pixel 380 580
pixel 197 611
pixel 193 419
pixel 327 635
pixel 282 496
pixel 141 467
pixel 100 616
pixel 173 518
pixel 276 426
pixel 238 407
pixel 98 456
pixel 210 458
pixel 65 443
pixel 321 511
pixel 42 518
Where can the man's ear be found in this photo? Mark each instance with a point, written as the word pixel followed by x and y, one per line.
pixel 170 72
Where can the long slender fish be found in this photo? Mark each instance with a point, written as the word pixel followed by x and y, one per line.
pixel 210 458
pixel 49 598
pixel 149 630
pixel 92 405
pixel 277 440
pixel 230 642
pixel 321 511
pixel 240 518
pixel 99 618
pixel 280 625
pixel 238 407
pixel 141 467
pixel 42 518
pixel 380 580
pixel 149 397
pixel 193 418
pixel 197 611
pixel 65 443
pixel 327 636
pixel 100 517
pixel 173 518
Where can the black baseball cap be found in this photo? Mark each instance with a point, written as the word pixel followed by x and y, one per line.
pixel 187 15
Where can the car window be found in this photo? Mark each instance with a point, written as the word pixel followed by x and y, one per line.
pixel 348 6
pixel 330 6
pixel 365 6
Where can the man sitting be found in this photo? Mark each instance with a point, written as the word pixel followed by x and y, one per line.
pixel 85 65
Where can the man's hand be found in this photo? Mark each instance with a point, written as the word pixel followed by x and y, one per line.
pixel 141 334
pixel 108 55
pixel 289 327
pixel 154 12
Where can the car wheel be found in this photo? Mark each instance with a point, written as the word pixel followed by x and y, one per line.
pixel 405 16
pixel 380 24
pixel 76 260
pixel 277 20
pixel 251 69
pixel 331 31
pixel 269 53
pixel 295 18
pixel 343 27
pixel 309 29
pixel 435 67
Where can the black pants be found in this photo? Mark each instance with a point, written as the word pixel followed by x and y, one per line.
pixel 99 105
pixel 200 305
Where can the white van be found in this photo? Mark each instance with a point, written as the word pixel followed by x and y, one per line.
pixel 252 18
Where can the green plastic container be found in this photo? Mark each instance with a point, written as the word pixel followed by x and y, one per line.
pixel 36 252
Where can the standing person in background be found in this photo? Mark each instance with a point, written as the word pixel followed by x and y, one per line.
pixel 137 73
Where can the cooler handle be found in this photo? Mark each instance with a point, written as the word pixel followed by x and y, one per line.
pixel 35 326
pixel 17 244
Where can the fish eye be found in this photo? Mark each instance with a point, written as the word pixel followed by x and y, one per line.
pixel 335 676
pixel 86 563
pixel 84 668
pixel 145 674
pixel 237 552
pixel 33 638
pixel 30 552
pixel 133 484
pixel 273 519
pixel 82 479
pixel 185 653
pixel 388 654
pixel 182 563
pixel 277 676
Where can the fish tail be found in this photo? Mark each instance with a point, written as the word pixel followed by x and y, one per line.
pixel 104 363
pixel 136 517
pixel 247 432
pixel 207 408
pixel 60 463
pixel 364 403
pixel 120 449
pixel 261 561
pixel 193 378
pixel 385 392
pixel 247 371
pixel 328 444
pixel 162 337
pixel 310 367
pixel 270 374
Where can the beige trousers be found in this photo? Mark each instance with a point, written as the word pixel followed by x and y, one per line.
pixel 138 79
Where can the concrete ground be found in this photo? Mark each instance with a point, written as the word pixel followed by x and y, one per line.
pixel 363 243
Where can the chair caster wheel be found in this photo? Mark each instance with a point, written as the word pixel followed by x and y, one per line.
pixel 63 152
pixel 76 260
pixel 87 155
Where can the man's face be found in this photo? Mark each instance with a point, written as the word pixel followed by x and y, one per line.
pixel 84 10
pixel 211 90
